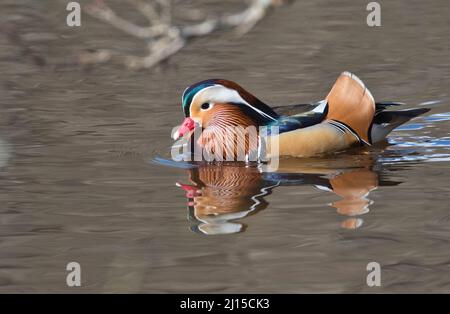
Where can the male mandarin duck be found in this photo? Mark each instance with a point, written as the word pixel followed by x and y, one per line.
pixel 347 117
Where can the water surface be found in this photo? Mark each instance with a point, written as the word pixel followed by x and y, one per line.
pixel 79 181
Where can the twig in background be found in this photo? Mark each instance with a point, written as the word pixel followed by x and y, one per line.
pixel 163 38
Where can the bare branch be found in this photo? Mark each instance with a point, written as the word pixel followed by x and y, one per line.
pixel 87 57
pixel 164 39
pixel 163 50
pixel 103 12
pixel 253 15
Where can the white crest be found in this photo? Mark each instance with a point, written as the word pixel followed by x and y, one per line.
pixel 221 94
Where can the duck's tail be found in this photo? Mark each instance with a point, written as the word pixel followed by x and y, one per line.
pixel 386 121
pixel 351 104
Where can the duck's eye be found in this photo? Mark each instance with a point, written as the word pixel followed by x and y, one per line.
pixel 205 106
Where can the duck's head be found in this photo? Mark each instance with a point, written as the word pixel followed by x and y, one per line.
pixel 221 102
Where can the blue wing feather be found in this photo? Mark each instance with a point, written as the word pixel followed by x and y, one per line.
pixel 290 123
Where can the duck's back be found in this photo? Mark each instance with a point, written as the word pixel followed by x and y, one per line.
pixel 344 119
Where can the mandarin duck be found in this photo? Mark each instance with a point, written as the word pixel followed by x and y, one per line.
pixel 347 117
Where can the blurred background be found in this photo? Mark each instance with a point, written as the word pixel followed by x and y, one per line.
pixel 84 114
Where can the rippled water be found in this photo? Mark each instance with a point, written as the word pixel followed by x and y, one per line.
pixel 83 174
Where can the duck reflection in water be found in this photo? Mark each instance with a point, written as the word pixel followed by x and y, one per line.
pixel 221 194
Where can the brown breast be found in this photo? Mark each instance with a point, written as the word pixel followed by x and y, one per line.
pixel 228 133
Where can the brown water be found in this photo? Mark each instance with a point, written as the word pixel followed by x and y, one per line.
pixel 79 181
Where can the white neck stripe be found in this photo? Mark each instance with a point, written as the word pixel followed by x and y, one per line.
pixel 220 93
